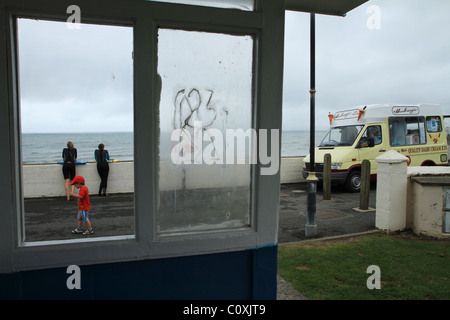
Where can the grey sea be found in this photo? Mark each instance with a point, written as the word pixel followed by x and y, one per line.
pixel 47 147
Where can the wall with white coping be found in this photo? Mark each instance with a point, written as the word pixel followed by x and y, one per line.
pixel 425 203
pixel 46 180
pixel 404 203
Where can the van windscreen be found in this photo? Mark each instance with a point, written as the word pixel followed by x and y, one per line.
pixel 341 136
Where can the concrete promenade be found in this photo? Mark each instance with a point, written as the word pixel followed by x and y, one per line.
pixel 334 217
pixel 54 218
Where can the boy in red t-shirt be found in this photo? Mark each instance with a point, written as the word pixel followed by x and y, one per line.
pixel 84 205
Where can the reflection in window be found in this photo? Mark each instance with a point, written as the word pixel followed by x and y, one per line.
pixel 406 131
pixel 75 85
pixel 205 130
pixel 434 124
pixel 371 137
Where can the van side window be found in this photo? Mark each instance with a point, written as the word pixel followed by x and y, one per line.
pixel 407 131
pixel 434 124
pixel 371 137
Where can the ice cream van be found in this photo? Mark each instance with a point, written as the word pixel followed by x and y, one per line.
pixel 366 132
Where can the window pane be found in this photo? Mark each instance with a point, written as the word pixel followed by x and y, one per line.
pixel 434 124
pixel 205 130
pixel 407 131
pixel 447 128
pixel 76 85
pixel 372 135
pixel 341 136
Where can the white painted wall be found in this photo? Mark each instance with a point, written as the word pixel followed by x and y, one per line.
pixel 405 204
pixel 291 170
pixel 427 210
pixel 425 203
pixel 47 179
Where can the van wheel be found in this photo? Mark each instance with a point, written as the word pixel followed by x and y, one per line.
pixel 353 183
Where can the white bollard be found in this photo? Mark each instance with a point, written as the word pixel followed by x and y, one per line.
pixel 391 192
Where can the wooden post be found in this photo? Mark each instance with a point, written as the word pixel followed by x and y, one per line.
pixel 327 177
pixel 365 185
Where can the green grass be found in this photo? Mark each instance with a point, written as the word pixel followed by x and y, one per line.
pixel 410 269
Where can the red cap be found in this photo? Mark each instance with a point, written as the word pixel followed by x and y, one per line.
pixel 77 179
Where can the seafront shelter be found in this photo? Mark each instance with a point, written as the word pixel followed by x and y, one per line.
pixel 204 228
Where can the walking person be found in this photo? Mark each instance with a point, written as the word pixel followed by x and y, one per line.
pixel 69 156
pixel 102 156
pixel 84 205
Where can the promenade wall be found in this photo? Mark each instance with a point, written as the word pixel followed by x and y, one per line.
pixel 46 180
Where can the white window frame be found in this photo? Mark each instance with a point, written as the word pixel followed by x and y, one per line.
pixel 266 24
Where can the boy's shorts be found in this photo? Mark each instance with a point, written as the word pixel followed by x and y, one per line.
pixel 83 215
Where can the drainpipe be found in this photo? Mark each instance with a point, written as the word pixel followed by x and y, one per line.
pixel 311 181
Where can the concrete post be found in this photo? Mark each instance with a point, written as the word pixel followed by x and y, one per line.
pixel 391 192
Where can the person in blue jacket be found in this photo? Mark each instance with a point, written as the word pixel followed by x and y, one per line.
pixel 102 156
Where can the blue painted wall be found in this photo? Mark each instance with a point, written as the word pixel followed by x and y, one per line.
pixel 249 274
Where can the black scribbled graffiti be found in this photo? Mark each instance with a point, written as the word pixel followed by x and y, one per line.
pixel 190 107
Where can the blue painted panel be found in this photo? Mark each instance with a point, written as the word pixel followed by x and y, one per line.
pixel 249 274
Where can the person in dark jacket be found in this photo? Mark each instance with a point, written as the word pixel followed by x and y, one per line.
pixel 69 156
pixel 102 156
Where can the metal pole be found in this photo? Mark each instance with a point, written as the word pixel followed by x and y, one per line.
pixel 311 181
pixel 312 90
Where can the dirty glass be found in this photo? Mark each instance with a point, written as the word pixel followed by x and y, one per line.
pixel 246 5
pixel 76 84
pixel 206 135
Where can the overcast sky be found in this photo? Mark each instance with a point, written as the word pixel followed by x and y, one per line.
pixel 74 80
pixel 405 59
